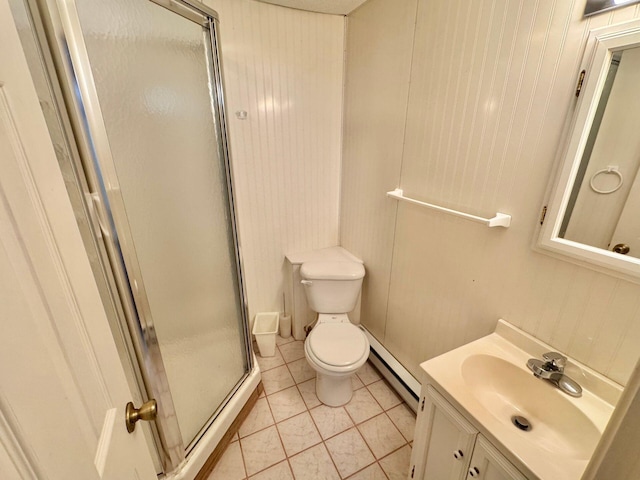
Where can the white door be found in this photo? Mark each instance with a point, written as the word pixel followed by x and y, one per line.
pixel 62 387
pixel 488 463
pixel 450 439
pixel 627 230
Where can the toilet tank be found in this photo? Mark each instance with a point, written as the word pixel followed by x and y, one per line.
pixel 332 287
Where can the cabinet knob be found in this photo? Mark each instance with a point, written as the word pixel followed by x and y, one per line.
pixel 474 471
pixel 457 454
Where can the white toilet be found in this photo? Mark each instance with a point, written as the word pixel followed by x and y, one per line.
pixel 335 348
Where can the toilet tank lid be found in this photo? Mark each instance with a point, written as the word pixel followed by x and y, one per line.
pixel 332 270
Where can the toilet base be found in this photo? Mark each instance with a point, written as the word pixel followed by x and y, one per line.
pixel 334 391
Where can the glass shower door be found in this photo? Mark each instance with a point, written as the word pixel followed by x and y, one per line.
pixel 149 90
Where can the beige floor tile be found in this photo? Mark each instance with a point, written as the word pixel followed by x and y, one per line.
pixel 372 472
pixel 267 363
pixel 349 452
pixel 286 404
pixel 384 394
pixel 368 374
pixel 314 464
pixel 381 435
pixel 277 379
pixel 292 351
pixel 356 383
pixel 331 421
pixel 298 433
pixel 282 341
pixel 308 392
pixel 230 466
pixel 262 450
pixel 259 417
pixel 362 406
pixel 396 465
pixel 301 371
pixel 404 419
pixel 281 471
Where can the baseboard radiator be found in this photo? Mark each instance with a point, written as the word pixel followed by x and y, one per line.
pixel 398 377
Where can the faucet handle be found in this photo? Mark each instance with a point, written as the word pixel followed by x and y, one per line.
pixel 557 360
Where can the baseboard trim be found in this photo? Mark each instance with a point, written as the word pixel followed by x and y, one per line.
pixel 392 370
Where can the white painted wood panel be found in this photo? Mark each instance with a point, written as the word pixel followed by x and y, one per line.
pixel 377 86
pixel 491 87
pixel 284 67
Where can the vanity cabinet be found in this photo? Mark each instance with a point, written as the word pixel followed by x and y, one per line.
pixel 449 447
pixel 443 441
pixel 487 463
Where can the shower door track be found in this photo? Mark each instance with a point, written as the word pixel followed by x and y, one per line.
pixel 58 29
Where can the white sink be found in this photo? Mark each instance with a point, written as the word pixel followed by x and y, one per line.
pixel 489 382
pixel 504 390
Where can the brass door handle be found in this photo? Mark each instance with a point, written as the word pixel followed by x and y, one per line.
pixel 147 412
pixel 621 248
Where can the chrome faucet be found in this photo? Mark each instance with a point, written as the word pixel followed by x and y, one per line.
pixel 551 368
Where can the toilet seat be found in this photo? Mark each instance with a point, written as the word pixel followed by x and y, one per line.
pixel 335 349
pixel 337 345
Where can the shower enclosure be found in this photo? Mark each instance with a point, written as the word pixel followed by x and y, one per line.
pixel 139 119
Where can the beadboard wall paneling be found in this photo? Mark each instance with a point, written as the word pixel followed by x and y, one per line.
pixel 377 86
pixel 491 87
pixel 284 67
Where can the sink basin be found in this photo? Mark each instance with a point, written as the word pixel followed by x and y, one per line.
pixel 489 383
pixel 505 390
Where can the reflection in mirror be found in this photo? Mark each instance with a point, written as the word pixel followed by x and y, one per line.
pixel 604 207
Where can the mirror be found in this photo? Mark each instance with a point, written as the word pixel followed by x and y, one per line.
pixel 604 207
pixel 594 213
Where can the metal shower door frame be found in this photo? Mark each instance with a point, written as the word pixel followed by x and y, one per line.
pixel 106 205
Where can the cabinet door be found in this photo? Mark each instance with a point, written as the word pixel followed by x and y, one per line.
pixel 488 463
pixel 449 441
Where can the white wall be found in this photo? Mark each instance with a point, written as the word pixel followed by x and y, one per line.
pixel 284 67
pixel 617 455
pixel 379 44
pixel 491 85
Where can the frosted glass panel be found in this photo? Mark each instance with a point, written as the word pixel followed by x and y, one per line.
pixel 151 75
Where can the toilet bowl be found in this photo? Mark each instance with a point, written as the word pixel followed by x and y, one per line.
pixel 335 349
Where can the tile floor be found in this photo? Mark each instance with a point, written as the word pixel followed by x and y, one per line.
pixel 290 435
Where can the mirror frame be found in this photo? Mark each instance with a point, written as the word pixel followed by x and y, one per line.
pixel 593 7
pixel 601 45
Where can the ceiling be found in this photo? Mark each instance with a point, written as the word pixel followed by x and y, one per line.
pixel 338 7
